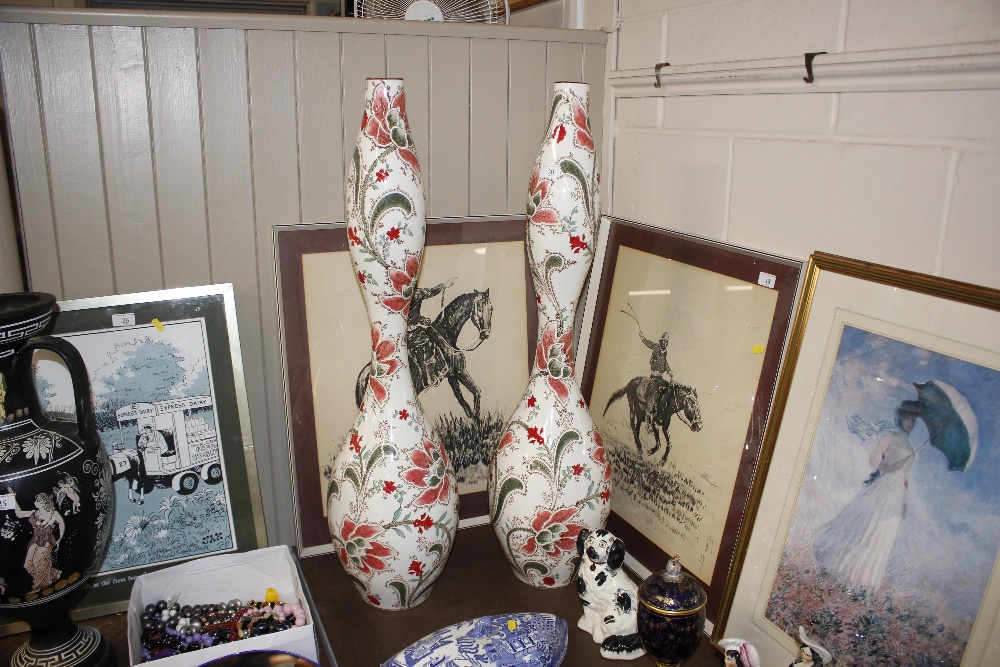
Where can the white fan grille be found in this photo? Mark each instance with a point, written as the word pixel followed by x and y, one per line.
pixel 477 11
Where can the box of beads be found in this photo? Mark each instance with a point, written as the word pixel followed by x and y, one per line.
pixel 216 606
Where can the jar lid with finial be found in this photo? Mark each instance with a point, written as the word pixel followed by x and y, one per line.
pixel 672 592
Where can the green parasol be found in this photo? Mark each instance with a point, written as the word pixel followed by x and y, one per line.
pixel 949 418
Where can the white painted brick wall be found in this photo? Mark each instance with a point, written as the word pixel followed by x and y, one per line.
pixel 971 249
pixel 751 29
pixel 740 114
pixel 895 24
pixel 909 179
pixel 632 8
pixel 967 115
pixel 640 40
pixel 675 179
pixel 794 197
pixel 638 112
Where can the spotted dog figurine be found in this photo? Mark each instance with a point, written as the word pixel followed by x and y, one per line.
pixel 608 595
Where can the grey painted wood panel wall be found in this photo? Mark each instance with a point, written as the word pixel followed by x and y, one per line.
pixel 153 151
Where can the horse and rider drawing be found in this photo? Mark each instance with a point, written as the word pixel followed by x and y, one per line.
pixel 433 348
pixel 653 400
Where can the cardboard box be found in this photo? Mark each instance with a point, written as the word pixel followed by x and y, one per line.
pixel 219 579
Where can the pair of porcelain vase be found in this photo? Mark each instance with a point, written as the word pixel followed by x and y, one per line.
pixel 392 504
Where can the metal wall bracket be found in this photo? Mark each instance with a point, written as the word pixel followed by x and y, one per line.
pixel 808 78
pixel 656 72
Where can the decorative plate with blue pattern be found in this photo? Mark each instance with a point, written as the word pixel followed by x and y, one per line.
pixel 505 640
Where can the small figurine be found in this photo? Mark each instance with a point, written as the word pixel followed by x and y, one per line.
pixel 811 653
pixel 609 597
pixel 739 653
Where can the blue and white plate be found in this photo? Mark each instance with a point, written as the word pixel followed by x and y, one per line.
pixel 523 639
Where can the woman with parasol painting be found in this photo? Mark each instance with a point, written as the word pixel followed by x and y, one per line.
pixel 855 546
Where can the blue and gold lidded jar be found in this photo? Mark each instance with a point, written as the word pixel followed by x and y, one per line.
pixel 671 615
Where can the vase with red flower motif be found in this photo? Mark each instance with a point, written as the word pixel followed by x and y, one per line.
pixel 392 503
pixel 548 478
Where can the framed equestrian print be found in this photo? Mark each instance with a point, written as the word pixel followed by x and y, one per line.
pixel 879 514
pixel 471 330
pixel 166 373
pixel 685 340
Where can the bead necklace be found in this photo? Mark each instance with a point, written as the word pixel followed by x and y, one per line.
pixel 169 628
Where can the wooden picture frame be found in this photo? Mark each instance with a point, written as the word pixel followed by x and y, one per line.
pixel 723 313
pixel 326 342
pixel 169 359
pixel 861 530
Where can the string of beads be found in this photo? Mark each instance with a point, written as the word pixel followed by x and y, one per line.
pixel 169 628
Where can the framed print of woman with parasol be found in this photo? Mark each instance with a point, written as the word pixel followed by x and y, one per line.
pixel 906 526
pixel 878 528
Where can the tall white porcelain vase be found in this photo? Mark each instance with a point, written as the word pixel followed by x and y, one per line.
pixel 549 478
pixel 392 504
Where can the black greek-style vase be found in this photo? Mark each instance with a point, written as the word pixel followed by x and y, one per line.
pixel 671 615
pixel 56 496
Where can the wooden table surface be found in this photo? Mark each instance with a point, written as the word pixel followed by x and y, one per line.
pixel 477 581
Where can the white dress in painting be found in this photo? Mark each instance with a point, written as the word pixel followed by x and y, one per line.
pixel 854 547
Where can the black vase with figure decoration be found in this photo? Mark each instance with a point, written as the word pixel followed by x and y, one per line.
pixel 56 495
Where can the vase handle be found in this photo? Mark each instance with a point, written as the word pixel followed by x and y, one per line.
pixel 78 374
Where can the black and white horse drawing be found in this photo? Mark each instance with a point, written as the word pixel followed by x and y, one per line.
pixel 671 398
pixel 433 350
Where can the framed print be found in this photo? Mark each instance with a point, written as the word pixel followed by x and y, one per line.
pixel 327 345
pixel 685 342
pixel 166 374
pixel 877 528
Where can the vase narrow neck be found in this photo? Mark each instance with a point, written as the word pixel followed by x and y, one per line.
pixel 566 94
pixel 12 402
pixel 13 399
pixel 22 315
pixel 562 207
pixel 555 355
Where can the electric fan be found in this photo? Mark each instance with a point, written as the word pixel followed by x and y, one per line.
pixel 477 11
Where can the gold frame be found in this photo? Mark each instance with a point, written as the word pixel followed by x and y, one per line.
pixel 767 510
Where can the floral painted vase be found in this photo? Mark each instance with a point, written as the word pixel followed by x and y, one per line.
pixel 548 478
pixel 56 496
pixel 392 503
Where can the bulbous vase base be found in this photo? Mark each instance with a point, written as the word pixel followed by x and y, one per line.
pixel 412 604
pixel 538 583
pixel 85 648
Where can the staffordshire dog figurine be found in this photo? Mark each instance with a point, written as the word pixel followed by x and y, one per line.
pixel 608 595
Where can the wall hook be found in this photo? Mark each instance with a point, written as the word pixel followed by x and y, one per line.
pixel 808 78
pixel 656 71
